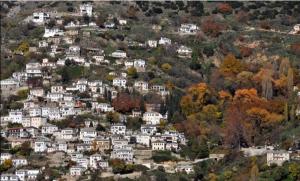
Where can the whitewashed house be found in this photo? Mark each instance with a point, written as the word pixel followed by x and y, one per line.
pixel 277 157
pixel 15 116
pixel 118 129
pixel 43 44
pixel 49 128
pixel 36 111
pixel 87 132
pixel 139 65
pixel 141 86
pixel 57 89
pixel 40 17
pixel 296 29
pixel 119 82
pixel 76 170
pixel 34 69
pixel 188 28
pixel 109 25
pixel 8 177
pixel 66 134
pixel 172 146
pixel 9 84
pixel 125 154
pixel 19 162
pixel 53 32
pixel 67 111
pixel 152 118
pixel 128 64
pixel 164 41
pixel 99 59
pixel 119 54
pixel 143 139
pixel 55 97
pixel 184 51
pixel 152 43
pixel 83 162
pixel 86 9
pixel 41 144
pixel 184 167
pixel 35 122
pixel 122 22
pixel 158 145
pixel 102 107
pixel 148 129
pixel 37 92
pixel 94 160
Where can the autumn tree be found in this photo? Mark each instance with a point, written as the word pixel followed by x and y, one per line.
pixel 249 117
pixel 242 16
pixel 197 96
pixel 132 12
pixel 224 8
pixel 166 67
pixel 124 102
pixel 245 51
pixel 236 132
pixel 7 164
pixel 23 47
pixel 231 66
pixel 295 48
pixel 211 27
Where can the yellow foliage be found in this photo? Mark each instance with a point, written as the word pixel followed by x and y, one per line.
pixel 7 163
pixel 231 66
pixel 170 85
pixel 23 47
pixel 195 99
pixel 110 77
pixel 166 67
pixel 131 71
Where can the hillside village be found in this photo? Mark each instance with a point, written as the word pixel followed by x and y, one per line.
pixel 91 99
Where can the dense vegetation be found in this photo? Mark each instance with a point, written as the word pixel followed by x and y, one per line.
pixel 238 89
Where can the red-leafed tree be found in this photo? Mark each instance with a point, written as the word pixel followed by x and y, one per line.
pixel 125 102
pixel 245 51
pixel 224 8
pixel 295 48
pixel 211 27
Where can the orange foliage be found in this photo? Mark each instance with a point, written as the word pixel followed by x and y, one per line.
pixel 197 96
pixel 264 72
pixel 225 95
pixel 246 95
pixel 281 83
pixel 264 115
